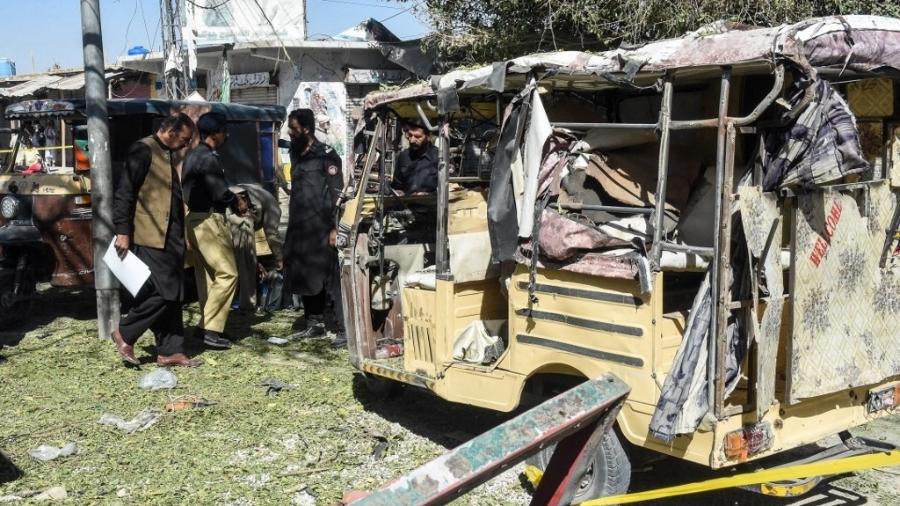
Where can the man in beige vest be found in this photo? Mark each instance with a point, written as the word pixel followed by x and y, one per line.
pixel 148 216
pixel 207 196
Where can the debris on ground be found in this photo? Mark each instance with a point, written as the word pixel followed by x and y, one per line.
pixel 159 379
pixel 184 402
pixel 143 421
pixel 275 386
pixel 46 453
pixel 302 498
pixel 52 494
pixel 277 340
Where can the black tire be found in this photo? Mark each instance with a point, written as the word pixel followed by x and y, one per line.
pixel 381 388
pixel 14 313
pixel 610 459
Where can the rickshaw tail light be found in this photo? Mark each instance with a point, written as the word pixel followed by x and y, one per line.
pixel 82 200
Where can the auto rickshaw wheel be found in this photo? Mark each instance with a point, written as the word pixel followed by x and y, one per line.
pixel 15 308
pixel 381 388
pixel 608 474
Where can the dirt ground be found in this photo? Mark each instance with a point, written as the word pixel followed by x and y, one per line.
pixel 322 434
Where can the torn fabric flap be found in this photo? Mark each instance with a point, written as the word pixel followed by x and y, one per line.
pixel 536 136
pixel 447 100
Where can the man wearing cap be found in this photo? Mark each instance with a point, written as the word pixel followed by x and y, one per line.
pixel 417 166
pixel 148 216
pixel 207 196
pixel 310 258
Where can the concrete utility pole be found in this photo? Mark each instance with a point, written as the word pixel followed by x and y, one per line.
pixel 101 166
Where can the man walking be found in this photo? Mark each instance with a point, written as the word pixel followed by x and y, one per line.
pixel 208 197
pixel 148 218
pixel 310 258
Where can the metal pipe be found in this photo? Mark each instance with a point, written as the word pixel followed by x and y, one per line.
pixel 724 254
pixel 622 126
pixel 101 166
pixel 716 282
pixel 611 209
pixel 687 248
pixel 766 101
pixel 424 118
pixel 442 242
pixel 665 117
pixel 694 124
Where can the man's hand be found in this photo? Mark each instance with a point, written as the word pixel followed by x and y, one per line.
pixel 279 264
pixel 260 270
pixel 123 242
pixel 332 237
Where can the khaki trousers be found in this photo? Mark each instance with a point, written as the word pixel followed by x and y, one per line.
pixel 214 267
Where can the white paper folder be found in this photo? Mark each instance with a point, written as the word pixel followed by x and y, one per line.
pixel 130 271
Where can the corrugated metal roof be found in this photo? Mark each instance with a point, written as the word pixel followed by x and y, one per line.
pixel 76 82
pixel 29 87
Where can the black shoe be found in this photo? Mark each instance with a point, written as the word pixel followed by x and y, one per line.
pixel 215 340
pixel 340 340
pixel 312 330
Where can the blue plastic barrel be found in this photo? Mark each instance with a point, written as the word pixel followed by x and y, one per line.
pixel 7 67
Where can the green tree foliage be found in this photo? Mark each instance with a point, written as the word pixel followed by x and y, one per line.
pixel 478 31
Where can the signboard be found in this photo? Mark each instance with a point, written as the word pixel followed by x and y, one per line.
pixel 214 22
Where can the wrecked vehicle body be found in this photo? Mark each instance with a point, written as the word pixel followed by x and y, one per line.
pixel 713 219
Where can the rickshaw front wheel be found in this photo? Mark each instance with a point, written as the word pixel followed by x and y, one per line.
pixel 15 308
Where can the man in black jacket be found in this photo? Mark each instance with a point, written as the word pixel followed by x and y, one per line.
pixel 310 258
pixel 207 197
pixel 417 166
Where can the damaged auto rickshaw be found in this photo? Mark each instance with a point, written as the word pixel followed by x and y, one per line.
pixel 712 218
pixel 45 225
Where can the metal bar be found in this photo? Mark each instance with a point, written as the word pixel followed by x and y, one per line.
pixel 459 470
pixel 702 251
pixel 712 344
pixel 612 209
pixel 766 101
pixel 665 118
pixel 621 126
pixel 424 118
pixel 442 242
pixel 101 166
pixel 725 271
pixel 694 124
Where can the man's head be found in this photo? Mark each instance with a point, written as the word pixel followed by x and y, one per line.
pixel 302 127
pixel 418 136
pixel 176 131
pixel 213 128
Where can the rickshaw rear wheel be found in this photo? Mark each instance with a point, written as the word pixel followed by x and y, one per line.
pixel 608 474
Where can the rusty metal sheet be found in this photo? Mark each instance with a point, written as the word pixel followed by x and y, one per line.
pixel 846 309
pixel 474 462
pixel 761 219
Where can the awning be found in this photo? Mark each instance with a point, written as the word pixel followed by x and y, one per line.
pixel 76 82
pixel 233 112
pixel 30 87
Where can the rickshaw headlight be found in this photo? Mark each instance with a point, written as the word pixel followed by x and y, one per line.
pixel 9 207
